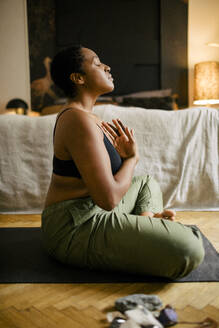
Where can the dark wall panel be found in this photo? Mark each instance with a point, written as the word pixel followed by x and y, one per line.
pixel 125 34
pixel 144 42
pixel 174 66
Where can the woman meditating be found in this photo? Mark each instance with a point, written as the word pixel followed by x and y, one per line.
pixel 97 215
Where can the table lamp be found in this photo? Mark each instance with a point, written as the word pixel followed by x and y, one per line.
pixel 18 105
pixel 206 83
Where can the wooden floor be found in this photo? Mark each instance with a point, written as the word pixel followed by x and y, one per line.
pixel 86 305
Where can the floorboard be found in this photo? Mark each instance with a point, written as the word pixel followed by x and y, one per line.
pixel 86 305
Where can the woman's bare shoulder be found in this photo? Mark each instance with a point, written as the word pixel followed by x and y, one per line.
pixel 74 121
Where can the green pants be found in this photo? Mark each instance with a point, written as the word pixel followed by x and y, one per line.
pixel 81 234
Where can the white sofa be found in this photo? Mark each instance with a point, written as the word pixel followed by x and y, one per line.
pixel 179 148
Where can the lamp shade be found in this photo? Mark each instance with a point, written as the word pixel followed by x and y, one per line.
pixel 206 83
pixel 19 105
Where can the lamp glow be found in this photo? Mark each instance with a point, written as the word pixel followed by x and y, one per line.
pixel 212 44
pixel 206 83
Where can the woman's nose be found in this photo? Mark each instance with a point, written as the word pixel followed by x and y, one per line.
pixel 107 68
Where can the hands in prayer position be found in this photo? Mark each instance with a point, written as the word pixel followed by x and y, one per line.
pixel 122 139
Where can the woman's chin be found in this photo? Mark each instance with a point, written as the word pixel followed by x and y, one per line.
pixel 108 89
pixel 111 87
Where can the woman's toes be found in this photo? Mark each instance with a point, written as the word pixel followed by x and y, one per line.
pixel 166 214
pixel 169 213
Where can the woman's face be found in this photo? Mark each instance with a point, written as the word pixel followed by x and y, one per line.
pixel 97 75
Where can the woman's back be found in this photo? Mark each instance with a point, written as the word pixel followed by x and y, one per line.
pixel 64 187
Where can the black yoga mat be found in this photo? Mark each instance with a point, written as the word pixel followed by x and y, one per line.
pixel 23 260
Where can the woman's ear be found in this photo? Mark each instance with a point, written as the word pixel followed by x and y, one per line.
pixel 77 78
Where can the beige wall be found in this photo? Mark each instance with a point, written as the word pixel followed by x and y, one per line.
pixel 203 27
pixel 14 54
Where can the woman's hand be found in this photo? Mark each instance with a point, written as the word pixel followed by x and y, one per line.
pixel 122 138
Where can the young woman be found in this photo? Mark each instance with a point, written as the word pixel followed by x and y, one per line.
pixel 97 215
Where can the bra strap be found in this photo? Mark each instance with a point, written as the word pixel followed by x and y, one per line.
pixel 57 120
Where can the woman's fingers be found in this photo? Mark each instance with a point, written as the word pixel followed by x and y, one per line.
pixel 118 130
pixel 120 122
pixel 113 127
pixel 130 134
pixel 112 138
pixel 124 130
pixel 119 126
pixel 109 129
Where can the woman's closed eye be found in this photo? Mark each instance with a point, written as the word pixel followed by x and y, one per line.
pixel 97 62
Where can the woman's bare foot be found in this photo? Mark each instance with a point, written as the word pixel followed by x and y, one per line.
pixel 166 214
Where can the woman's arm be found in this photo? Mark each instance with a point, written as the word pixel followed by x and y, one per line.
pixel 124 141
pixel 84 141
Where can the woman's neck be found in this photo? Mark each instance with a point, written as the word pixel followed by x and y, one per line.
pixel 84 103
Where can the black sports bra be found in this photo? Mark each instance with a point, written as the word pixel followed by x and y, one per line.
pixel 68 168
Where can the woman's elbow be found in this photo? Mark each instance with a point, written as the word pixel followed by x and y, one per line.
pixel 108 204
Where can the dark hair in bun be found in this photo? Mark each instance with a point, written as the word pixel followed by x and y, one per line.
pixel 64 63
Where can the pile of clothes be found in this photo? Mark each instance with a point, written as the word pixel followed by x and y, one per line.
pixel 147 311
